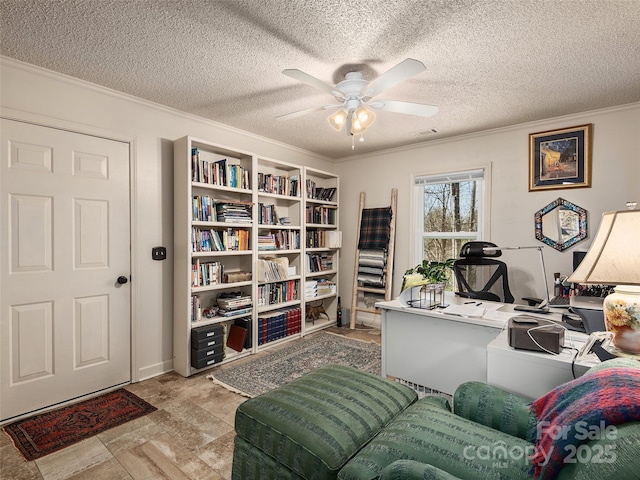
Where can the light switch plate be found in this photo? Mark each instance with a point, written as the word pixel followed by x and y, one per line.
pixel 159 253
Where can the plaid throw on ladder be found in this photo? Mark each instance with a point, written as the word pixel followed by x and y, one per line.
pixel 375 228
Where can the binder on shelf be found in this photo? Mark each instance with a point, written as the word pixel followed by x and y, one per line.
pixel 236 338
pixel 246 324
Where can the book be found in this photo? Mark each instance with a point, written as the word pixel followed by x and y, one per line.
pixel 236 337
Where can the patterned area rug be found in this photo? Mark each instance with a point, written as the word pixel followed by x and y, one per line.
pixel 48 432
pixel 274 369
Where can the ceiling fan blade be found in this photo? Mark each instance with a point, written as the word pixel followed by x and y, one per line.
pixel 418 109
pixel 300 113
pixel 309 80
pixel 402 71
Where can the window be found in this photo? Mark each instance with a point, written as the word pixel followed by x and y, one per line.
pixel 449 212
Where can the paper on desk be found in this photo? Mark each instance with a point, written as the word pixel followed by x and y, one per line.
pixel 499 316
pixel 492 305
pixel 464 310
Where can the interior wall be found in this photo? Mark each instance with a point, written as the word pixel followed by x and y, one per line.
pixel 615 180
pixel 153 129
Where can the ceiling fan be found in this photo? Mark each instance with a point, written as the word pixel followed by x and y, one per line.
pixel 355 96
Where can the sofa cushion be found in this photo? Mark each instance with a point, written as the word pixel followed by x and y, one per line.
pixel 412 470
pixel 495 408
pixel 251 463
pixel 314 424
pixel 428 432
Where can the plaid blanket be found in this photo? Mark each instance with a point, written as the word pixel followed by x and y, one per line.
pixel 578 411
pixel 375 228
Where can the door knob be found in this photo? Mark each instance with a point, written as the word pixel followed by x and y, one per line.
pixel 122 280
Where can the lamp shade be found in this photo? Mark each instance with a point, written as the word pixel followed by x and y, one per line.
pixel 365 117
pixel 613 257
pixel 338 119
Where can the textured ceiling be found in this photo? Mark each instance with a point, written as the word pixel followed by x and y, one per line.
pixel 489 63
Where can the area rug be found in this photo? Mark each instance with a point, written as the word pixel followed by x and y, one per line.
pixel 48 432
pixel 292 361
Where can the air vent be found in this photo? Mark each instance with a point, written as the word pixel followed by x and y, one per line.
pixel 426 133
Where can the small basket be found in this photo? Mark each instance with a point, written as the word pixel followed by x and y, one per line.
pixel 427 296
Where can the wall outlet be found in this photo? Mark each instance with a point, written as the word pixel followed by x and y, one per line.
pixel 159 253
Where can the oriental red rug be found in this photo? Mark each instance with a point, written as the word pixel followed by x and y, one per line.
pixel 48 432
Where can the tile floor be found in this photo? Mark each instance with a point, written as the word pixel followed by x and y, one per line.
pixel 190 436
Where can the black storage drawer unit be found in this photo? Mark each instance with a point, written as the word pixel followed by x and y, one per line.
pixel 208 331
pixel 207 356
pixel 207 345
pixel 206 361
pixel 207 342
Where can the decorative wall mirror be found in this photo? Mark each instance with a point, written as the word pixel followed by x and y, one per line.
pixel 561 224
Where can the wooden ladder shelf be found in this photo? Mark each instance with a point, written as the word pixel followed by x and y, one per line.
pixel 388 269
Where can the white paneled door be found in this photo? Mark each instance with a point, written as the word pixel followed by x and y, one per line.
pixel 65 326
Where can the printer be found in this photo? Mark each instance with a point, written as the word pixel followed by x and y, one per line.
pixel 589 309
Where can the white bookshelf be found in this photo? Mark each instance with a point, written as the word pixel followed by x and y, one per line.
pixel 322 241
pixel 275 193
pixel 233 259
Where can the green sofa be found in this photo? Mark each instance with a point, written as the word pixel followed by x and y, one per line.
pixel 341 423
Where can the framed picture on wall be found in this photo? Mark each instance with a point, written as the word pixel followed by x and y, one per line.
pixel 560 158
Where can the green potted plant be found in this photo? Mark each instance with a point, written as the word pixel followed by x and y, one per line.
pixel 428 272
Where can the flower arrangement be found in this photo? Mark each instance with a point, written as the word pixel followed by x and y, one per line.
pixel 622 318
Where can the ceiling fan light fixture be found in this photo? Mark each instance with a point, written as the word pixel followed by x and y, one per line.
pixel 365 117
pixel 338 119
pixel 356 127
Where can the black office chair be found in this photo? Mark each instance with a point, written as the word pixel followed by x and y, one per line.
pixel 479 275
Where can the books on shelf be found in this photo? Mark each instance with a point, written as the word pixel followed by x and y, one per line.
pixel 273 269
pixel 279 184
pixel 310 288
pixel 320 262
pixel 325 215
pixel 206 273
pixel 195 307
pixel 267 214
pixel 275 293
pixel 280 240
pixel 275 325
pixel 315 192
pixel 219 240
pixel 203 209
pixel 319 287
pixel 207 168
pixel 234 303
pixel 233 211
pixel 236 337
pixel 324 239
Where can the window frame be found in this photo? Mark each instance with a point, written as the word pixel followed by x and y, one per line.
pixel 415 250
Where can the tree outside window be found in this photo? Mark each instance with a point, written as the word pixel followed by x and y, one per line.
pixel 450 213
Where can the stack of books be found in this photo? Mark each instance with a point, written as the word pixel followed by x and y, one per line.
pixel 234 303
pixel 267 242
pixel 310 289
pixel 325 287
pixel 234 212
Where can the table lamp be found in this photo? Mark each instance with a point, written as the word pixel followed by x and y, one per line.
pixel 614 259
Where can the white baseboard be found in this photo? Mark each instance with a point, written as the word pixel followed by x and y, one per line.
pixel 155 370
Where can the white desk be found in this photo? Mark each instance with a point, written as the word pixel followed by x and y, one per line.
pixel 532 374
pixel 441 351
pixel 433 349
